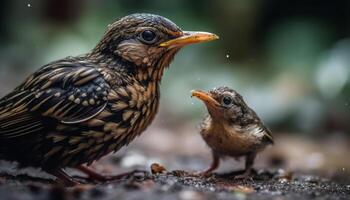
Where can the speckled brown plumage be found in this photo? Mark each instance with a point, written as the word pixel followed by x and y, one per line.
pixel 75 110
pixel 231 128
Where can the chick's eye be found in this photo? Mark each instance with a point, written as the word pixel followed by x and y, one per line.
pixel 227 100
pixel 148 36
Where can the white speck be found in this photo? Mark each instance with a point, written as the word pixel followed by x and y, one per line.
pixel 227 55
pixel 281 171
pixel 29 5
pixel 133 159
pixel 192 103
pixel 343 169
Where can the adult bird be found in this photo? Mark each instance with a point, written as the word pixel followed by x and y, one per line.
pixel 75 110
pixel 231 128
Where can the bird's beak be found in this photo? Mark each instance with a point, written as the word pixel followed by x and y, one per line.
pixel 209 101
pixel 189 37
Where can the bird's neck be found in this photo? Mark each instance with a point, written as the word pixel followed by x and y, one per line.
pixel 154 72
pixel 146 74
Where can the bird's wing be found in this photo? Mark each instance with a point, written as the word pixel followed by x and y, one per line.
pixel 267 136
pixel 65 91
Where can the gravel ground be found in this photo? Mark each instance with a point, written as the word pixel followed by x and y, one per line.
pixel 315 172
pixel 162 184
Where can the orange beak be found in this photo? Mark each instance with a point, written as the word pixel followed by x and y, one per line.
pixel 189 37
pixel 206 98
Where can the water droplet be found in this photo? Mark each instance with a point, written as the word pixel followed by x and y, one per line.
pixel 227 55
pixel 29 5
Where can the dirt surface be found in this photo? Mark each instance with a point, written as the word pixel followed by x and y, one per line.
pixel 294 168
pixel 159 183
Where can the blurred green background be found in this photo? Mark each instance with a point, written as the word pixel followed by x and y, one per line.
pixel 289 59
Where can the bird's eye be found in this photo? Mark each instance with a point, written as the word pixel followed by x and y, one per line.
pixel 148 36
pixel 227 100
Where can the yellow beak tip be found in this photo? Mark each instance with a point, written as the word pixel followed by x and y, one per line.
pixel 215 37
pixel 193 92
pixel 190 37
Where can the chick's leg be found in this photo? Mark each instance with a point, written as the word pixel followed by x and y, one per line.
pixel 248 166
pixel 214 165
pixel 249 162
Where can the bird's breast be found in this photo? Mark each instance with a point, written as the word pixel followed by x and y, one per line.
pixel 129 112
pixel 227 140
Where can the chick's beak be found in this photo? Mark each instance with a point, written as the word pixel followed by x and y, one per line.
pixel 190 37
pixel 206 98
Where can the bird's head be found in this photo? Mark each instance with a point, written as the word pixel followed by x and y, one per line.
pixel 147 40
pixel 223 104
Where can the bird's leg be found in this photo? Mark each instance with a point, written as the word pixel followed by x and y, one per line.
pixel 91 173
pixel 248 166
pixel 101 178
pixel 214 165
pixel 249 163
pixel 64 177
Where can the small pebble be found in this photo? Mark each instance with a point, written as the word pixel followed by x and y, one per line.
pixel 243 189
pixel 157 168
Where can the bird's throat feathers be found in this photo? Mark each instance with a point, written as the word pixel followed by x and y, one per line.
pixel 154 71
pixel 148 71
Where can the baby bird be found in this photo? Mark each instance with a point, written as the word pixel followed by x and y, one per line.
pixel 231 128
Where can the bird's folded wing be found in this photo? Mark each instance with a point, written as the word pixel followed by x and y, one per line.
pixel 268 136
pixel 64 92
